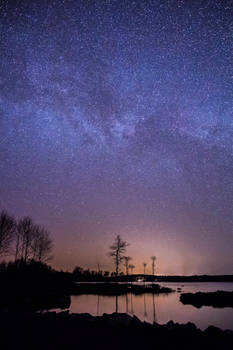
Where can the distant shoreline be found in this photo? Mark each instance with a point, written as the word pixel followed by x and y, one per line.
pixel 175 278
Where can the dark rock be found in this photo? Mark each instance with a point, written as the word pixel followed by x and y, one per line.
pixel 213 331
pixel 170 325
pixel 216 299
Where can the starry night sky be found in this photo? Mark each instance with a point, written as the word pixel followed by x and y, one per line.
pixel 116 117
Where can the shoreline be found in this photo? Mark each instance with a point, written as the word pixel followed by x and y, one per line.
pixel 112 289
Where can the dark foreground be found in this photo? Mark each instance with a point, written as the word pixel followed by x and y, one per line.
pixel 116 331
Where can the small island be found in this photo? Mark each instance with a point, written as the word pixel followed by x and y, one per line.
pixel 218 299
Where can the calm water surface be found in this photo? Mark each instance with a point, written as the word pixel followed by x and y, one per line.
pixel 160 308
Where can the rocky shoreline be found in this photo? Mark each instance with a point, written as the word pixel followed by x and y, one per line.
pixel 115 331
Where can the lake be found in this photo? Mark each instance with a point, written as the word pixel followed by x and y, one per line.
pixel 160 308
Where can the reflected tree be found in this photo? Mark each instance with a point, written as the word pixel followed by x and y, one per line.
pixel 154 314
pixel 127 302
pixel 145 312
pixel 98 305
pixel 131 303
pixel 117 304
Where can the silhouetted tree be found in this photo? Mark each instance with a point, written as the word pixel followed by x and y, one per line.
pixel 89 275
pixel 144 267
pixel 17 244
pixel 41 244
pixel 32 241
pixel 7 231
pixel 131 267
pixel 126 263
pixel 117 249
pixel 26 231
pixel 153 258
pixel 36 242
pixel 78 271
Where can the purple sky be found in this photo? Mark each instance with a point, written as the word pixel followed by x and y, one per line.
pixel 116 117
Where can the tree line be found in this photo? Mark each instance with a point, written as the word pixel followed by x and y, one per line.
pixel 24 239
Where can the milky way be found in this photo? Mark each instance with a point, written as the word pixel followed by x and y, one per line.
pixel 116 117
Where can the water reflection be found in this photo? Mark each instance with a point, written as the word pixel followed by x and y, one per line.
pixel 127 303
pixel 116 304
pixel 159 308
pixel 154 314
pixel 98 304
pixel 131 299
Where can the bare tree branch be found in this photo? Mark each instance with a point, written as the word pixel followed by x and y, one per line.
pixel 7 231
pixel 117 249
pixel 27 231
